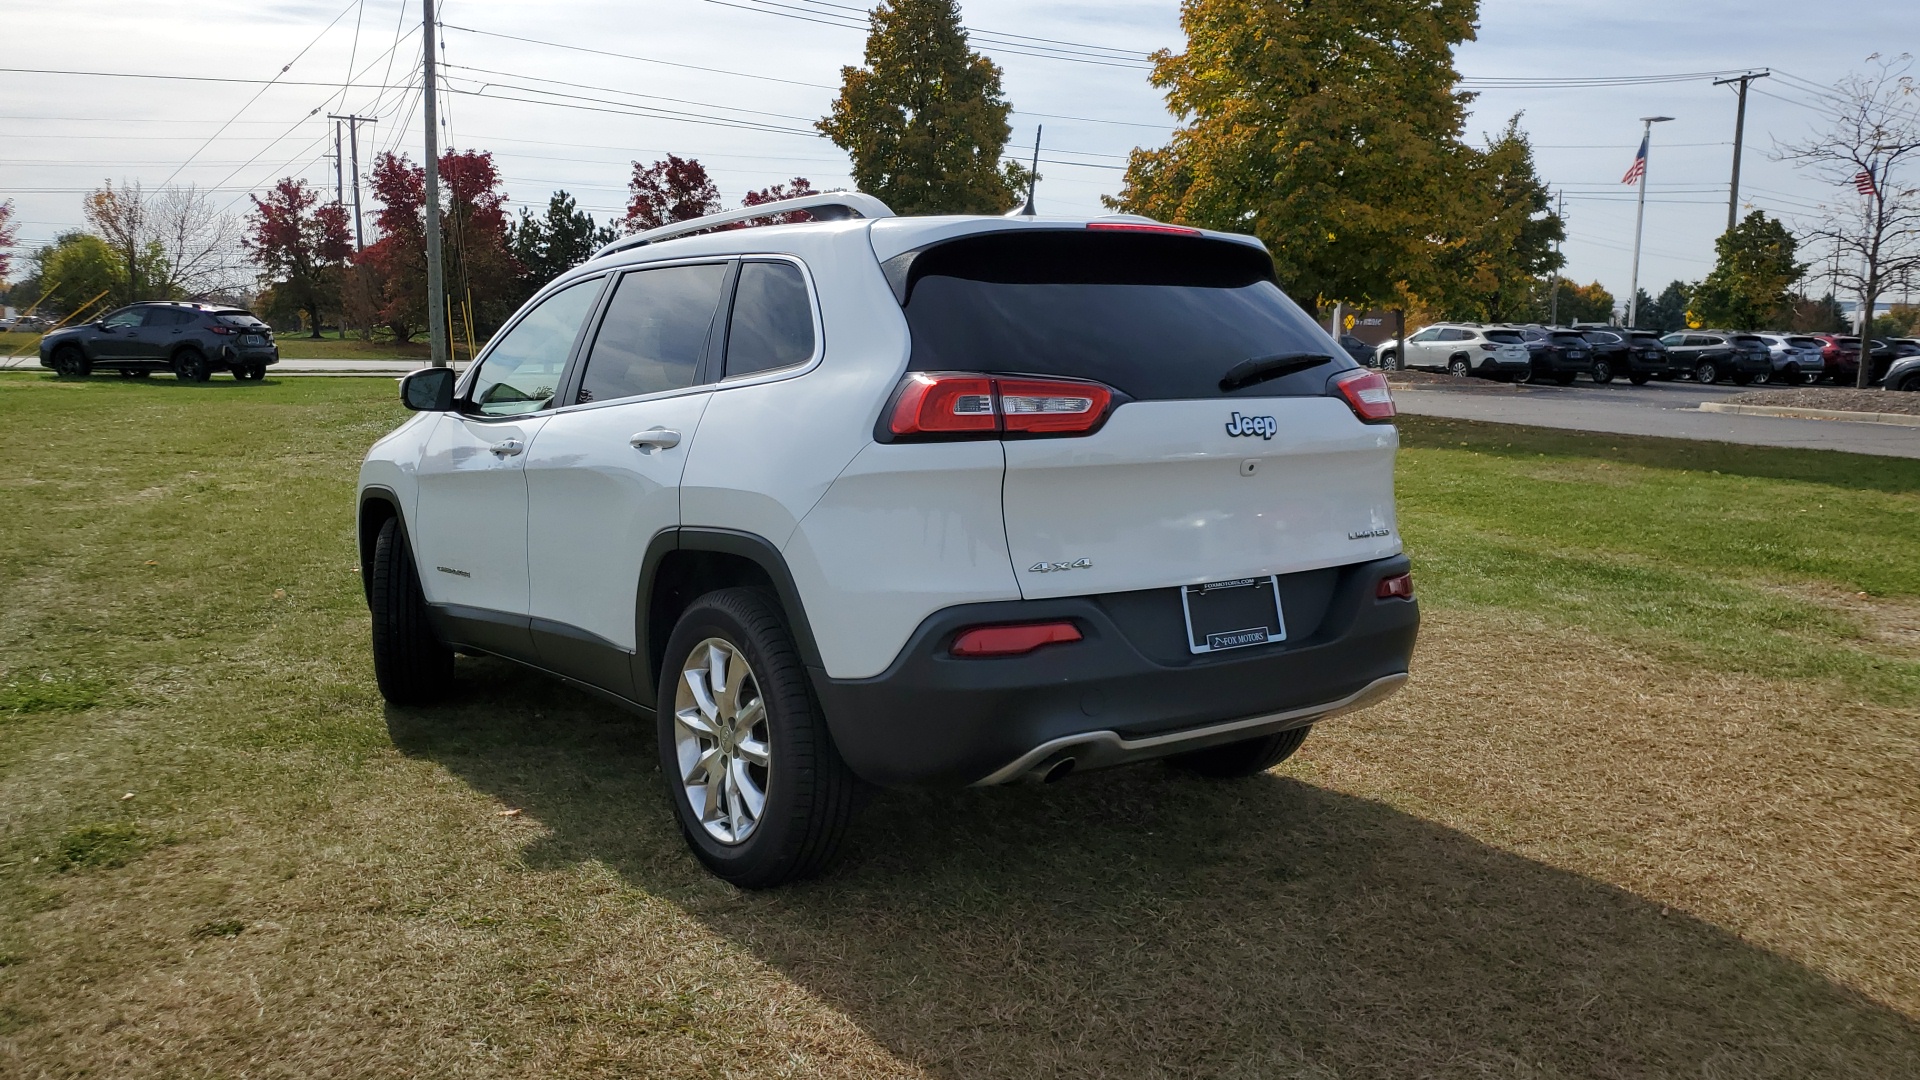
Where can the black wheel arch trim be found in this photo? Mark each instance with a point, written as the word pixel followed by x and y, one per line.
pixel 754 548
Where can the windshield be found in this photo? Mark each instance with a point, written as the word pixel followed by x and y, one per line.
pixel 1156 317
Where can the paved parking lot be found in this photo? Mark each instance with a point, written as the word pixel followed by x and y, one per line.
pixel 1667 409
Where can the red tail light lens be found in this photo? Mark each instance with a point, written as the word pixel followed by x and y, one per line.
pixel 1141 227
pixel 964 403
pixel 1012 640
pixel 944 405
pixel 1395 588
pixel 221 330
pixel 1367 394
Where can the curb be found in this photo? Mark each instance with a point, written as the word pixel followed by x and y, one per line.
pixel 1897 419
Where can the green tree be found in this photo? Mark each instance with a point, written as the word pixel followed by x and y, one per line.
pixel 1822 316
pixel 1329 130
pixel 925 120
pixel 77 267
pixel 556 241
pixel 1668 311
pixel 1585 303
pixel 1491 271
pixel 1747 289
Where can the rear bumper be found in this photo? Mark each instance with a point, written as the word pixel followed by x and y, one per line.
pixel 1128 691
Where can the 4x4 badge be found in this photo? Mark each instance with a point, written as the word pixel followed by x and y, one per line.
pixel 1050 567
pixel 1263 426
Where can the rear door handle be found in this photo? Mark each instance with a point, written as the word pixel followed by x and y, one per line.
pixel 658 438
pixel 507 448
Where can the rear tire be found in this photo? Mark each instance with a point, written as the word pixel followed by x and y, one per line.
pixel 1638 379
pixel 1459 368
pixel 807 795
pixel 1602 372
pixel 1706 374
pixel 190 365
pixel 1248 757
pixel 410 662
pixel 70 363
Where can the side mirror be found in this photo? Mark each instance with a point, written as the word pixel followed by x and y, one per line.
pixel 428 390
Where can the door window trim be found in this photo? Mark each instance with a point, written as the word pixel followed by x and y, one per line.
pixel 464 387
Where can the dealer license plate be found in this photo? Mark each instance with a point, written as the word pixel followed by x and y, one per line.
pixel 252 339
pixel 1233 614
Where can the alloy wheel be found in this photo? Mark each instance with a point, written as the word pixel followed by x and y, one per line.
pixel 1459 369
pixel 1706 374
pixel 722 741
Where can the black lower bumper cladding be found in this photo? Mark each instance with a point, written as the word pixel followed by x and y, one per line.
pixel 935 720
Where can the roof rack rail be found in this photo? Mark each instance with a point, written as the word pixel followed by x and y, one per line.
pixel 826 206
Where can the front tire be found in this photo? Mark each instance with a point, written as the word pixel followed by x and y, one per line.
pixel 70 363
pixel 1245 758
pixel 1638 379
pixel 411 664
pixel 1459 368
pixel 759 789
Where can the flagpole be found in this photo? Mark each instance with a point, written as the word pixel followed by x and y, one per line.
pixel 1640 216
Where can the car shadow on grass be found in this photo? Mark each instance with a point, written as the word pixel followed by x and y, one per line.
pixel 1140 922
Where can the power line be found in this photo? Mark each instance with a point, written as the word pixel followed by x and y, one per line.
pixel 982 38
pixel 629 56
pixel 616 90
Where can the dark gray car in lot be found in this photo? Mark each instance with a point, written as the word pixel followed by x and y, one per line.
pixel 189 339
pixel 1713 355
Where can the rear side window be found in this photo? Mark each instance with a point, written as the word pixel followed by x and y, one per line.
pixel 1154 316
pixel 654 333
pixel 772 324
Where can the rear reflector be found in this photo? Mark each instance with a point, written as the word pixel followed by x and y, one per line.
pixel 1395 588
pixel 1367 394
pixel 964 403
pixel 1012 640
pixel 1141 226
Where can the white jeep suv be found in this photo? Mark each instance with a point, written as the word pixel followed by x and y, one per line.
pixel 902 501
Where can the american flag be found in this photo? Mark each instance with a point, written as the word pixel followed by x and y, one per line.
pixel 1863 183
pixel 1639 168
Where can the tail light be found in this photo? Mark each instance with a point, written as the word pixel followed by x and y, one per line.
pixel 1367 394
pixel 223 331
pixel 1489 346
pixel 1012 640
pixel 1399 587
pixel 953 404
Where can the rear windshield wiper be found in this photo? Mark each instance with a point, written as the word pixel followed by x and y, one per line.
pixel 1262 368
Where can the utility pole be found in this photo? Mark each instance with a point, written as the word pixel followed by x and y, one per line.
pixel 1553 304
pixel 339 190
pixel 1640 215
pixel 353 144
pixel 1739 134
pixel 436 284
pixel 1033 175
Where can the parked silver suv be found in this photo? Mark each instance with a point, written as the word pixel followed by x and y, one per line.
pixel 1463 349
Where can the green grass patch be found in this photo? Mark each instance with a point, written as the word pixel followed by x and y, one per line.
pixel 24 692
pixel 101 844
pixel 1744 558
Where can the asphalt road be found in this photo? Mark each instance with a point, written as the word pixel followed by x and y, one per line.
pixel 1665 409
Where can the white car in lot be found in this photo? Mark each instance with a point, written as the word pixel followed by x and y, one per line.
pixel 902 501
pixel 1463 349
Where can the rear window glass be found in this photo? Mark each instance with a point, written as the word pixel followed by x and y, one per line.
pixel 1803 342
pixel 1569 339
pixel 1506 337
pixel 237 318
pixel 1156 317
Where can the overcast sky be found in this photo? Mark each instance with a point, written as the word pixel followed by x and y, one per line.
pixel 736 84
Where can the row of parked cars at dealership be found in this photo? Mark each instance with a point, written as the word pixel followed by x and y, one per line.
pixel 1561 354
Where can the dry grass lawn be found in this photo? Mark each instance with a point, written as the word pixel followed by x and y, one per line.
pixel 1596 837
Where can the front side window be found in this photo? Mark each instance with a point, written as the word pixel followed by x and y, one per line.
pixel 772 325
pixel 522 370
pixel 654 333
pixel 1431 333
pixel 124 319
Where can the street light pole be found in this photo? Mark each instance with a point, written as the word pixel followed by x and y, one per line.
pixel 1639 217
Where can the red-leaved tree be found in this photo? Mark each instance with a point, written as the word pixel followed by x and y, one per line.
pixel 792 189
pixel 474 245
pixel 300 245
pixel 677 189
